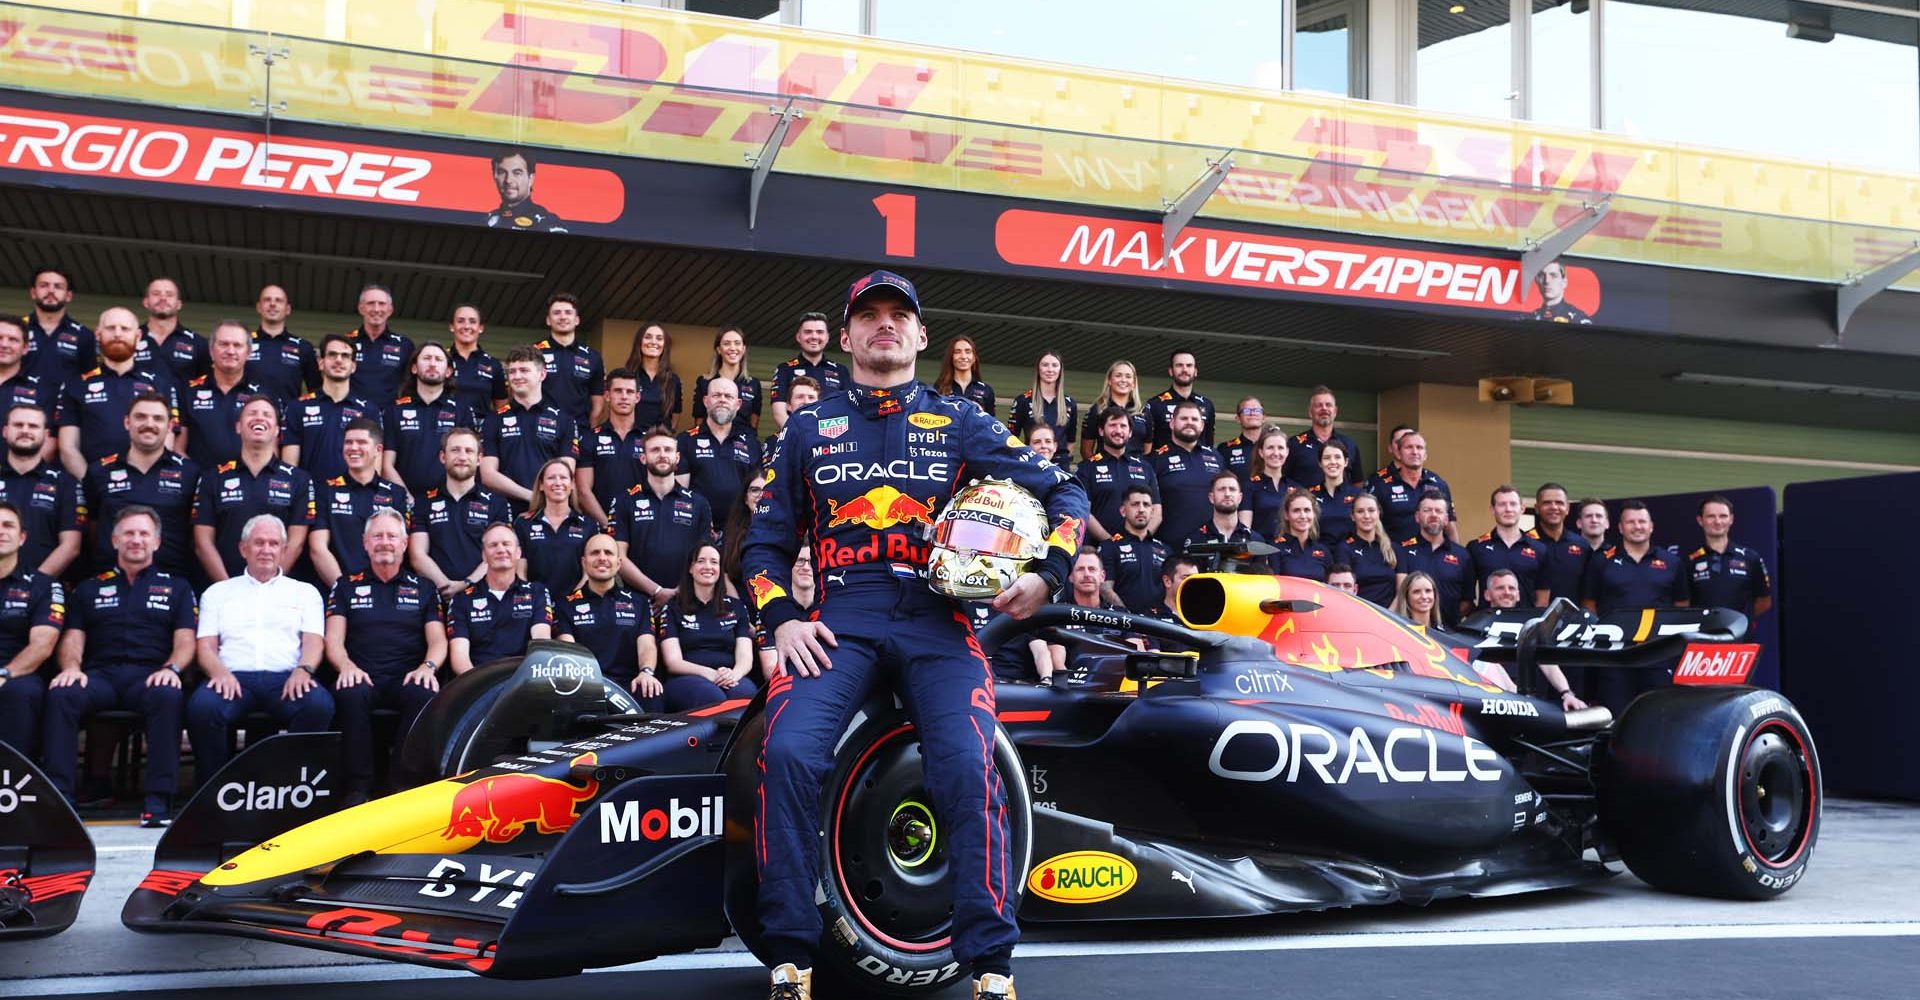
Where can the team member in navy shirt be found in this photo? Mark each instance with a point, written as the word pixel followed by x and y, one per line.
pixel 147 475
pixel 1300 550
pixel 58 345
pixel 1506 546
pixel 280 362
pixel 423 414
pixel 1400 487
pixel 1303 460
pixel 1185 468
pixel 381 356
pixel 1240 450
pixel 1563 552
pixel 706 641
pixel 447 523
pixel 146 618
pixel 1373 556
pixel 812 362
pixel 1183 369
pixel 960 375
pixel 210 404
pixel 93 408
pixel 525 431
pixel 614 621
pixel 1724 575
pixel 258 482
pixel 575 373
pixel 1046 402
pixel 47 499
pixel 1223 497
pixel 341 505
pixel 386 639
pixel 1111 473
pixel 17 383
pixel 32 609
pixel 500 614
pixel 1132 558
pixel 660 396
pixel 553 531
pixel 317 423
pixel 164 341
pixel 719 456
pixel 1440 557
pixel 659 522
pixel 730 361
pixel 1263 488
pixel 1335 494
pixel 1635 573
pixel 479 379
pixel 613 455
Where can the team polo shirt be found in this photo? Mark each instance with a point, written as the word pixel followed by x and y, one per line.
pixel 718 469
pixel 523 438
pixel 97 404
pixel 168 486
pixel 414 428
pixel 1060 414
pixel 751 399
pixel 1107 479
pixel 341 506
pixel 136 616
pixel 661 530
pixel 210 415
pixel 386 620
pixel 553 553
pixel 1491 553
pixel 660 399
pixel 1133 567
pixel 478 380
pixel 231 493
pixel 1372 576
pixel 26 388
pixel 1160 415
pixel 1563 565
pixel 707 636
pixel 318 424
pixel 1400 502
pixel 575 374
pixel 1617 580
pixel 1136 443
pixel 49 501
pixel 609 624
pixel 1207 534
pixel 1451 567
pixel 1238 453
pixel 57 355
pixel 283 364
pixel 29 599
pixel 453 526
pixel 832 376
pixel 1185 477
pixel 498 625
pixel 618 461
pixel 1731 579
pixel 1336 511
pixel 380 363
pixel 1303 456
pixel 185 355
pixel 1309 560
pixel 1265 498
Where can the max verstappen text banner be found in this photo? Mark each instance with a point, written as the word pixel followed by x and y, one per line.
pixel 637 80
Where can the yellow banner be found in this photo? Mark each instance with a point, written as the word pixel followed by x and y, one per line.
pixel 563 74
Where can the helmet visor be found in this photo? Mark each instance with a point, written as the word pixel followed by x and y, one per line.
pixel 979 536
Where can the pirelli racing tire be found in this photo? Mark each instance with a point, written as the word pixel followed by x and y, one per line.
pixel 885 893
pixel 1712 791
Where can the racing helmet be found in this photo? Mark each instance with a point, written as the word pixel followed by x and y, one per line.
pixel 984 539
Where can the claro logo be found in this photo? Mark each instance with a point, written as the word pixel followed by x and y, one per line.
pixel 623 822
pixel 13 790
pixel 253 796
pixel 1269 751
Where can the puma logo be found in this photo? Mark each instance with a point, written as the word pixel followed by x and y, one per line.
pixel 1188 879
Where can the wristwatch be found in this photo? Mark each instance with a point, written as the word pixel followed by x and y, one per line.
pixel 175 667
pixel 430 665
pixel 309 670
pixel 5 673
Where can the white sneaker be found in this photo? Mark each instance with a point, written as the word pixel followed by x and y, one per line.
pixel 993 986
pixel 790 982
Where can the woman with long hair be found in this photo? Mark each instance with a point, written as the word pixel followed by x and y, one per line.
pixel 730 361
pixel 1335 493
pixel 1264 490
pixel 1418 600
pixel 706 641
pixel 1122 389
pixel 734 533
pixel 960 375
pixel 1300 552
pixel 1370 552
pixel 651 362
pixel 613 620
pixel 553 530
pixel 1045 401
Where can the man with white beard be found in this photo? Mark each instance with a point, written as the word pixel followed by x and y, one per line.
pixel 717 459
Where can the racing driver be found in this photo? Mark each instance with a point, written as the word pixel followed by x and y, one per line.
pixel 863 472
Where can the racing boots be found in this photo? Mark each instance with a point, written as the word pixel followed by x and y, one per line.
pixel 790 982
pixel 993 986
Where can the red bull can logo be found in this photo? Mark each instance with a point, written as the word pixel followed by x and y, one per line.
pixel 881 508
pixel 499 807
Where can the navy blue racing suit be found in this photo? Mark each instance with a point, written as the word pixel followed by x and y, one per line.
pixel 861 474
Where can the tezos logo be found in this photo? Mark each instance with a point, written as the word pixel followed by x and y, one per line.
pixel 13 790
pixel 1082 877
pixel 252 796
pixel 623 822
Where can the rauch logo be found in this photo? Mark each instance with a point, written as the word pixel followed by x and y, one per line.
pixel 1082 877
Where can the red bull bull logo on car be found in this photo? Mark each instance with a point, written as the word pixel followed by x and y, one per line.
pixel 498 808
pixel 881 508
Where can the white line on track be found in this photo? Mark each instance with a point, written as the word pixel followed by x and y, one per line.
pixel 385 972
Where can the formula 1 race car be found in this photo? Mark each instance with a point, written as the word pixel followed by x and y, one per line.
pixel 1295 749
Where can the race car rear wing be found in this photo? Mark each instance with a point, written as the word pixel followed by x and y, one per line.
pixel 46 857
pixel 1566 635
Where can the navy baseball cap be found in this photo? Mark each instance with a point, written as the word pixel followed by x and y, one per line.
pixel 875 280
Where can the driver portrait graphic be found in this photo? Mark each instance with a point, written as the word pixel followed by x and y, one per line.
pixel 861 475
pixel 513 177
pixel 1552 282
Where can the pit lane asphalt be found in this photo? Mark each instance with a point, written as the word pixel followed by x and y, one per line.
pixel 1850 929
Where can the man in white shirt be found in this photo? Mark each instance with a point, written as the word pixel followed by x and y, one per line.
pixel 259 644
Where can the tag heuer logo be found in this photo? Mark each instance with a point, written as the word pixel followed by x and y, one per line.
pixel 833 427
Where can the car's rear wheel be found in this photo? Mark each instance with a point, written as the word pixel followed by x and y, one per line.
pixel 1713 791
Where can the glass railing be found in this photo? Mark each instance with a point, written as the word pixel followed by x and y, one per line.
pixel 1345 175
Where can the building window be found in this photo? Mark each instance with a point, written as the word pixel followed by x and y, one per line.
pixel 1465 60
pixel 1561 84
pixel 1327 45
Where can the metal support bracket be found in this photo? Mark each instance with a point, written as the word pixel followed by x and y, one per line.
pixel 268 55
pixel 1856 292
pixel 1182 211
pixel 1537 254
pixel 763 160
